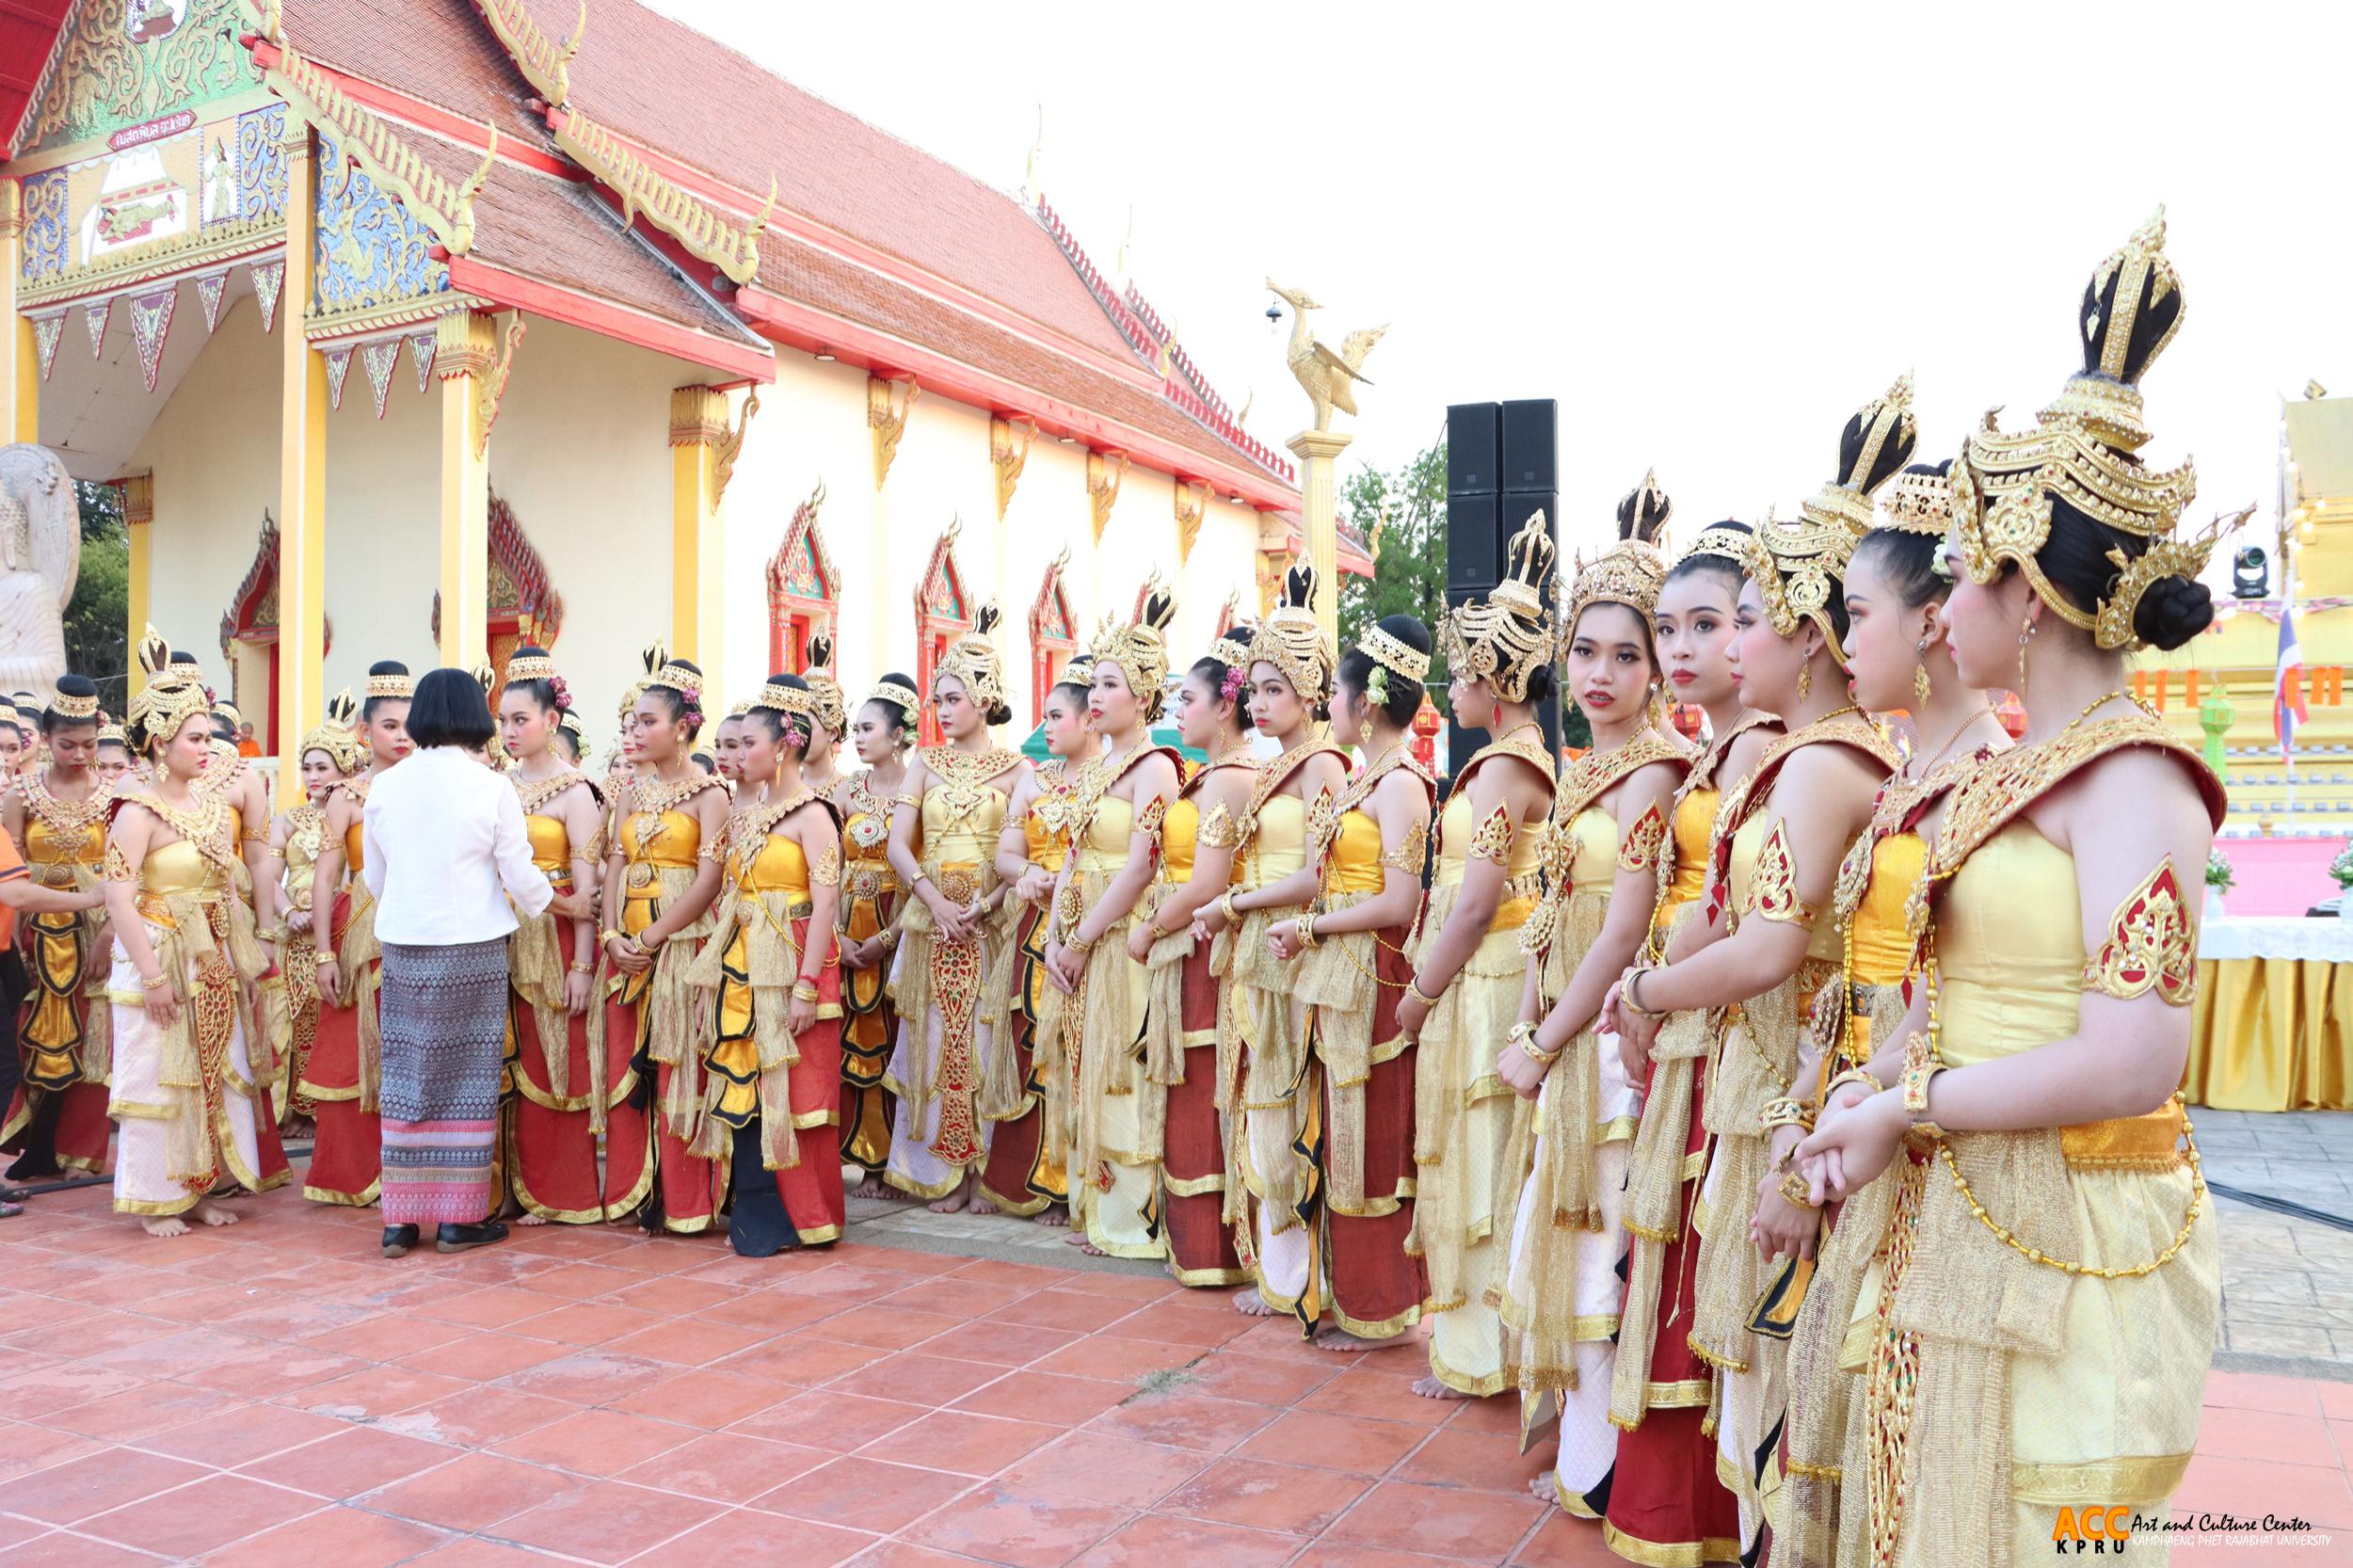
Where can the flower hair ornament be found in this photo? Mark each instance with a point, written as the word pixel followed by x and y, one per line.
pixel 798 704
pixel 1388 654
pixel 1631 572
pixel 1504 637
pixel 972 659
pixel 1140 649
pixel 1797 565
pixel 667 674
pixel 1293 640
pixel 2081 455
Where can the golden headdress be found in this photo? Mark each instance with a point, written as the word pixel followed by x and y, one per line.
pixel 400 688
pixel 1505 636
pixel 337 736
pixel 1631 572
pixel 738 710
pixel 1797 565
pixel 899 697
pixel 182 668
pixel 1920 500
pixel 1293 640
pixel 110 733
pixel 531 666
pixel 2081 454
pixel 1140 648
pixel 779 697
pixel 67 705
pixel 832 712
pixel 570 724
pixel 168 700
pixel 667 673
pixel 972 659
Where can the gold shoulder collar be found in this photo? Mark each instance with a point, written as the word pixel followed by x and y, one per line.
pixel 1850 729
pixel 1592 775
pixel 1534 753
pixel 2002 786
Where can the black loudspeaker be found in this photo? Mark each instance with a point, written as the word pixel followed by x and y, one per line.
pixel 1474 447
pixel 1531 437
pixel 1474 542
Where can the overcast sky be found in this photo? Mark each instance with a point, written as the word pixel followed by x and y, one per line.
pixel 1710 233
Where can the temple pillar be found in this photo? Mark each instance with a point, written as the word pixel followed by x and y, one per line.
pixel 20 376
pixel 1316 450
pixel 301 475
pixel 698 438
pixel 138 513
pixel 466 360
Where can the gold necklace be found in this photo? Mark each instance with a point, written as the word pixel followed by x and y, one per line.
pixel 1961 729
pixel 1219 758
pixel 1836 712
pixel 1505 739
pixel 2100 701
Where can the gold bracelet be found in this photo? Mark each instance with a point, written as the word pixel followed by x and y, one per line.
pixel 645 946
pixel 1785 1112
pixel 577 966
pixel 1072 944
pixel 157 984
pixel 610 936
pixel 1854 1074
pixel 1915 1097
pixel 1225 907
pixel 1422 996
pixel 804 990
pixel 1307 938
pixel 1626 998
pixel 326 955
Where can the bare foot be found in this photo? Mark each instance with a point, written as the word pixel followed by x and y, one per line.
pixel 1329 1338
pixel 1541 1489
pixel 528 1218
pixel 1251 1304
pixel 1431 1388
pixel 1078 1238
pixel 979 1206
pixel 1052 1215
pixel 165 1224
pixel 213 1213
pixel 874 1187
pixel 955 1203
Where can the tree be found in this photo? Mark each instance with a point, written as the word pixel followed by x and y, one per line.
pixel 1409 578
pixel 96 644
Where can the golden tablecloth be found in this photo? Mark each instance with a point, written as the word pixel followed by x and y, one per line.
pixel 2271 1034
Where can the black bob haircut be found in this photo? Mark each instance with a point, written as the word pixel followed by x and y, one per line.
pixel 450 709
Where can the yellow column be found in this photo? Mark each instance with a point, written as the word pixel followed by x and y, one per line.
pixel 1316 450
pixel 465 357
pixel 301 477
pixel 699 432
pixel 20 376
pixel 138 512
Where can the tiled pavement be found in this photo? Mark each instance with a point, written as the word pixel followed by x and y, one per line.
pixel 276 1394
pixel 2287 1282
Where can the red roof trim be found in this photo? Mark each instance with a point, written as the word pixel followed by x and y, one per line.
pixel 428 117
pixel 790 322
pixel 592 314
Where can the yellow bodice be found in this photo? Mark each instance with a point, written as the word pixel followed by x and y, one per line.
pixel 1355 863
pixel 1455 829
pixel 960 824
pixel 1045 844
pixel 1695 820
pixel 353 837
pixel 180 866
pixel 1741 882
pixel 551 849
pixel 675 840
pixel 52 853
pixel 1594 857
pixel 1104 851
pixel 1180 836
pixel 1279 847
pixel 1882 943
pixel 302 857
pixel 780 867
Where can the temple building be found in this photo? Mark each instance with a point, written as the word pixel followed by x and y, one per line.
pixel 416 331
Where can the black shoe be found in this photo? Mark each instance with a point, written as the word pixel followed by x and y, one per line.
pixel 399 1239
pixel 463 1237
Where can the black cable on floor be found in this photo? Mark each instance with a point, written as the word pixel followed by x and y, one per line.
pixel 2279 1206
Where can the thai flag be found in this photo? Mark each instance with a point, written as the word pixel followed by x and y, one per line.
pixel 2287 697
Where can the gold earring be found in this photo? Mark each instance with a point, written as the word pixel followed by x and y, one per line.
pixel 2026 635
pixel 1805 681
pixel 1920 673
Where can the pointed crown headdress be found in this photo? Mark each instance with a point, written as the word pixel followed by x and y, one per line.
pixel 1920 500
pixel 1293 640
pixel 832 712
pixel 1506 635
pixel 1140 648
pixel 1631 572
pixel 1797 566
pixel 972 659
pixel 2081 454
pixel 170 699
pixel 667 673
pixel 337 734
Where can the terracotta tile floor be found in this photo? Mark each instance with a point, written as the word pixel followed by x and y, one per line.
pixel 274 1394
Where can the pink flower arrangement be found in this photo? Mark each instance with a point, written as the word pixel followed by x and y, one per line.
pixel 1230 688
pixel 563 693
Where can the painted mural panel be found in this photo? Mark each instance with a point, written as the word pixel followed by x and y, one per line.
pixel 130 70
pixel 373 254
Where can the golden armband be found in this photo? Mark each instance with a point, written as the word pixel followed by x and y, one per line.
pixel 1493 841
pixel 1639 853
pixel 1773 889
pixel 2152 944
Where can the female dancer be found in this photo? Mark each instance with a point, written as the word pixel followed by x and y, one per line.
pixel 1117 1109
pixel 1778 841
pixel 1665 1500
pixel 952 976
pixel 723 740
pixel 1181 1041
pixel 1356 1096
pixel 830 722
pixel 772 1062
pixel 347 1157
pixel 1027 1174
pixel 183 1084
pixel 1468 969
pixel 664 866
pixel 567 1095
pixel 1562 1290
pixel 57 816
pixel 2037 1328
pixel 113 751
pixel 330 754
pixel 1895 598
pixel 867 924
pixel 1290 685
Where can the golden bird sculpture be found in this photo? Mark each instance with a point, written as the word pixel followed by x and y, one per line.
pixel 1329 378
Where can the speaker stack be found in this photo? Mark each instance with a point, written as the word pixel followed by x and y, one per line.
pixel 1499 468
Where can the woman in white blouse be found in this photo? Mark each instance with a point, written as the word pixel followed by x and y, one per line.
pixel 444 854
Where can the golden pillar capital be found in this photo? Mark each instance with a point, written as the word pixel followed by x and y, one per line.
pixel 1009 443
pixel 11 210
pixel 1316 450
pixel 888 404
pixel 698 416
pixel 139 498
pixel 1104 477
pixel 1193 505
